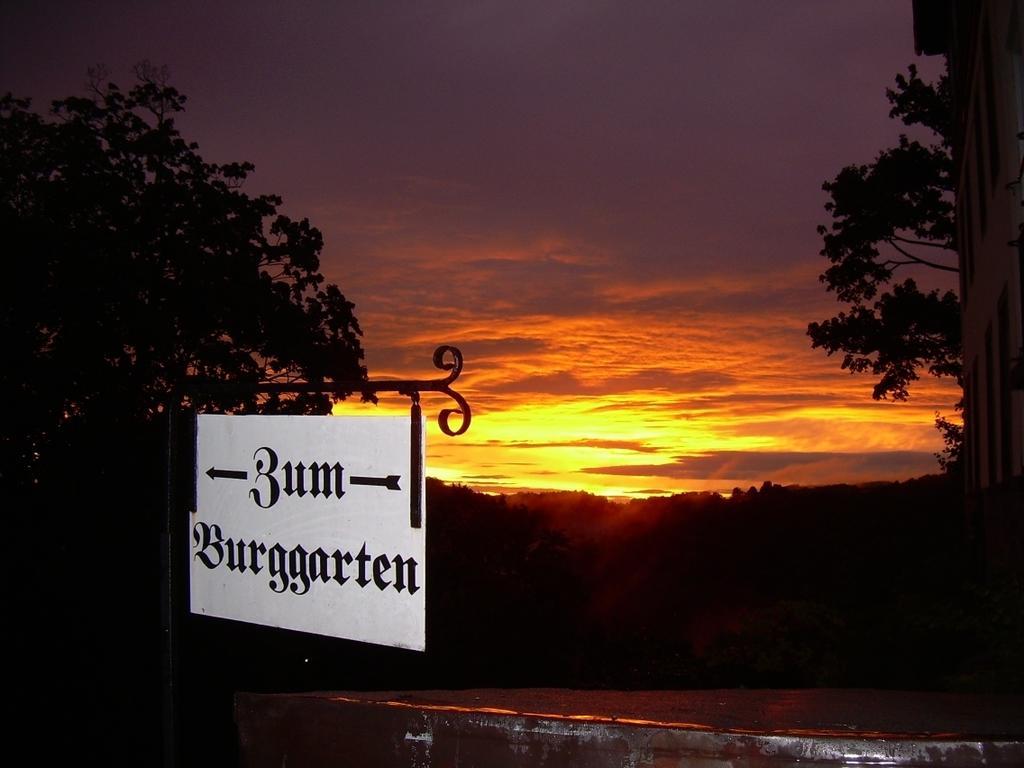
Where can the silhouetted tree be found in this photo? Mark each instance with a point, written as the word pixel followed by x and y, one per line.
pixel 891 215
pixel 952 456
pixel 131 263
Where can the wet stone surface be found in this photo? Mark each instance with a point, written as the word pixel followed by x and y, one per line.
pixel 700 729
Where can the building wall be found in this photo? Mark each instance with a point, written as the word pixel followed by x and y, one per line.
pixel 984 51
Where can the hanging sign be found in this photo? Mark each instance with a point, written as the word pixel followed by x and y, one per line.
pixel 303 522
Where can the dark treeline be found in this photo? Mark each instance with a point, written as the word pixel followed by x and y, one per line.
pixel 786 587
pixel 837 586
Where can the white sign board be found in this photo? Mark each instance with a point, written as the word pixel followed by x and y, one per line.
pixel 302 522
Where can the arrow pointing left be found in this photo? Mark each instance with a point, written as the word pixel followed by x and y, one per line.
pixel 228 474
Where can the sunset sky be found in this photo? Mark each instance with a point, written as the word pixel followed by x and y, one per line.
pixel 610 207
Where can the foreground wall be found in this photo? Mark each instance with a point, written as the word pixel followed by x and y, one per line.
pixel 696 729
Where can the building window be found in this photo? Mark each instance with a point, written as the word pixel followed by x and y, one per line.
pixel 968 449
pixel 991 118
pixel 966 231
pixel 979 167
pixel 1020 276
pixel 1005 414
pixel 974 428
pixel 991 443
pixel 1013 49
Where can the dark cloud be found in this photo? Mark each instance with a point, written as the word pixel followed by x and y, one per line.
pixel 482 349
pixel 617 445
pixel 566 383
pixel 760 465
pixel 562 383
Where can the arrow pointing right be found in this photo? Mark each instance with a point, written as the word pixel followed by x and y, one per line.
pixel 390 482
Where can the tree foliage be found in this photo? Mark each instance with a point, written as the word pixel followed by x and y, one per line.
pixel 132 263
pixel 889 216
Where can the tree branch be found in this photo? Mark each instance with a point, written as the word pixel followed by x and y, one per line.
pixel 917 260
pixel 909 241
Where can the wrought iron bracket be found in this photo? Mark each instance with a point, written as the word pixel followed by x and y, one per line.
pixel 446 358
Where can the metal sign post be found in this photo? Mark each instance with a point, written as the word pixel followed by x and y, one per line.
pixel 250 469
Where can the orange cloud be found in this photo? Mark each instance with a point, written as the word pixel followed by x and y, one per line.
pixel 583 377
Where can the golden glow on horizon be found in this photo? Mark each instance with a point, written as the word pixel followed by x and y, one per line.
pixel 550 442
pixel 627 385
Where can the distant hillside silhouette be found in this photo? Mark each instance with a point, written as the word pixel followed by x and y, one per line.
pixel 839 586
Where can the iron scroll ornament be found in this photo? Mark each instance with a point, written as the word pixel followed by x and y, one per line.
pixel 446 358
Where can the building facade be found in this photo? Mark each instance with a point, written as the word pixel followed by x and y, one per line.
pixel 982 42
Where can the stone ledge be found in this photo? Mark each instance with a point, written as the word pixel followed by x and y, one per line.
pixel 697 729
